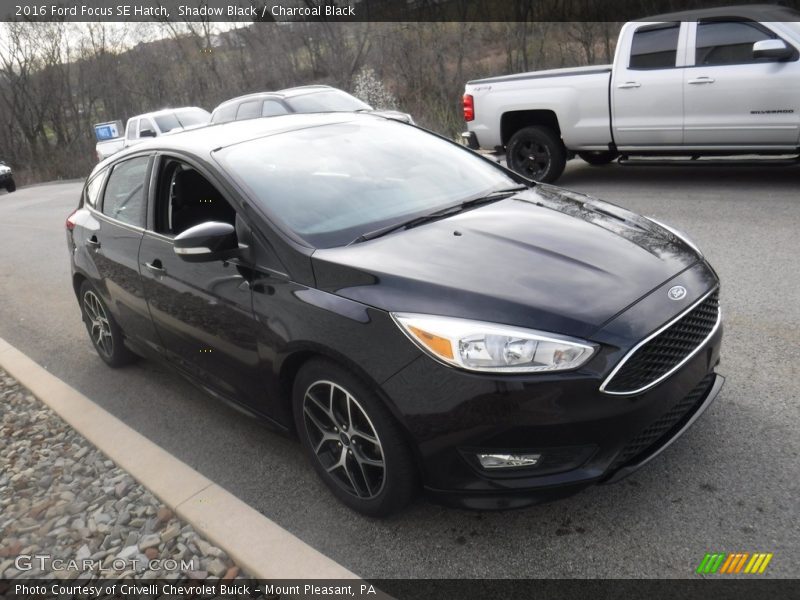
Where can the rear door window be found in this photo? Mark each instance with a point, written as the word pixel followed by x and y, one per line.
pixel 272 108
pixel 124 197
pixel 655 46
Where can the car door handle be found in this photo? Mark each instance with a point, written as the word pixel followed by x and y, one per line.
pixel 701 80
pixel 629 84
pixel 156 267
pixel 93 242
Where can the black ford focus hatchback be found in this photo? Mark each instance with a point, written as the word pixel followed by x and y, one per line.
pixel 420 316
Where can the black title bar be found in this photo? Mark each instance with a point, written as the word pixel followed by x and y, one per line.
pixel 248 11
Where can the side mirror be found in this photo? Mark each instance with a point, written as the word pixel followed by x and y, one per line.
pixel 207 242
pixel 147 133
pixel 771 49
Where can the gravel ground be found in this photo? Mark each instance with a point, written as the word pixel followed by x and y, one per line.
pixel 62 500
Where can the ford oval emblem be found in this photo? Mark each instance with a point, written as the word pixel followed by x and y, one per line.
pixel 676 292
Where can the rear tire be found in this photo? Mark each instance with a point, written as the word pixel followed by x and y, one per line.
pixel 107 337
pixel 598 158
pixel 352 440
pixel 537 153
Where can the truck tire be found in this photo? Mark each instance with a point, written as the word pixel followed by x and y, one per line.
pixel 598 158
pixel 537 153
pixel 11 186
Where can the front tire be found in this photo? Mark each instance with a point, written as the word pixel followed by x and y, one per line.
pixel 107 337
pixel 537 153
pixel 352 440
pixel 598 158
pixel 11 186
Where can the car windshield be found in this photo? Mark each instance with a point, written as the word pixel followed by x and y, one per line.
pixel 326 101
pixel 182 119
pixel 794 26
pixel 333 183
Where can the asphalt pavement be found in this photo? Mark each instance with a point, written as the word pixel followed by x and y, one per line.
pixel 731 484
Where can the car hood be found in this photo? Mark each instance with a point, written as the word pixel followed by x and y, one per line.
pixel 395 114
pixel 545 259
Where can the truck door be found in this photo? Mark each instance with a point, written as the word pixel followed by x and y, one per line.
pixel 647 87
pixel 734 98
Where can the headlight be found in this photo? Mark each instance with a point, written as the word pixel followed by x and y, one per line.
pixel 678 234
pixel 479 346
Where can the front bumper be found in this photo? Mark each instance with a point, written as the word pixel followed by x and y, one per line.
pixel 5 177
pixel 581 433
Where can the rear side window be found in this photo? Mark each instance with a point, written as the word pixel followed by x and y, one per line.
pixel 249 110
pixel 91 194
pixel 727 43
pixel 224 114
pixel 124 196
pixel 273 109
pixel 655 47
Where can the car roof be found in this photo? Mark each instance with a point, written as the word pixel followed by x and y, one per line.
pixel 203 141
pixel 754 12
pixel 285 93
pixel 167 111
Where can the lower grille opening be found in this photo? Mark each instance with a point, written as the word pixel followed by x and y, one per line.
pixel 661 431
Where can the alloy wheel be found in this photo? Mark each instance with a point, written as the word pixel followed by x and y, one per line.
pixel 344 439
pixel 534 158
pixel 99 326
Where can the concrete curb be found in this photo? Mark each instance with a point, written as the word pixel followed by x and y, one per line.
pixel 257 545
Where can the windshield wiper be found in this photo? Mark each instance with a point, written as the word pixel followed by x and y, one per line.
pixel 440 214
pixel 492 196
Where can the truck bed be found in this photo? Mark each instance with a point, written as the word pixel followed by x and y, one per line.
pixel 566 72
pixel 577 96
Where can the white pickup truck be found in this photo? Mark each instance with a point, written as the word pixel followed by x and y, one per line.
pixel 715 82
pixel 153 124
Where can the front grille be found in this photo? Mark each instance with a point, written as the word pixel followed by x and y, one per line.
pixel 663 353
pixel 662 429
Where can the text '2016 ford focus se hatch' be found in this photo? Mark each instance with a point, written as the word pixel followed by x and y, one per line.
pixel 420 316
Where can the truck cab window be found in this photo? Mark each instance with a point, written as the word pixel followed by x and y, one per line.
pixel 727 43
pixel 185 198
pixel 655 46
pixel 133 129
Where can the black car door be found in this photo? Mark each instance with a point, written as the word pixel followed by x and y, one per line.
pixel 202 311
pixel 112 239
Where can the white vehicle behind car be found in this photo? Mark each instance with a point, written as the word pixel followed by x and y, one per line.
pixel 153 124
pixel 303 99
pixel 715 82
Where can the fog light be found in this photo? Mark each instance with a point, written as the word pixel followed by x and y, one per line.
pixel 505 461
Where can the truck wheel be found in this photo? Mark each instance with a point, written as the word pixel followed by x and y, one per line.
pixel 537 153
pixel 598 158
pixel 11 186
